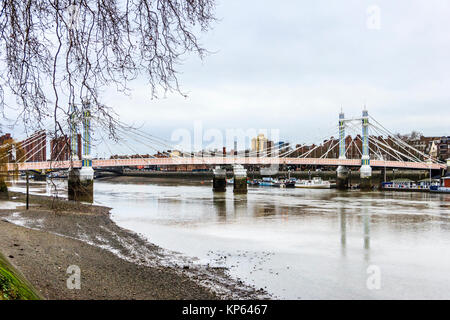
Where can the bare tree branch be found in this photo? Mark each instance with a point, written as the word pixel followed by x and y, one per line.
pixel 59 52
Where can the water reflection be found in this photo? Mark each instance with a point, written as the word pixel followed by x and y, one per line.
pixel 220 205
pixel 343 222
pixel 240 205
pixel 366 223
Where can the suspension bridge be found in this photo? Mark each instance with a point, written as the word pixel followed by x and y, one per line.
pixel 219 160
pixel 380 148
pixel 376 146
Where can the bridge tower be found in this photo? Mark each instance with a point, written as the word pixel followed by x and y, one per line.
pixel 342 171
pixel 81 181
pixel 74 173
pixel 366 170
pixel 74 132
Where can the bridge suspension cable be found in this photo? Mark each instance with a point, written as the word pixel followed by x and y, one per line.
pixel 398 155
pixel 355 129
pixel 410 156
pixel 401 142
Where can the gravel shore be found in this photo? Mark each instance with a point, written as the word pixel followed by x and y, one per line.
pixel 115 263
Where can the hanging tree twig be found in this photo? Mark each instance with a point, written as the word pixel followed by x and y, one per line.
pixel 58 52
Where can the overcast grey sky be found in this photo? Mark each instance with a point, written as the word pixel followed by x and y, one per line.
pixel 293 64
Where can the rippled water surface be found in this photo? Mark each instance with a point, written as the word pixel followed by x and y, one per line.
pixel 297 243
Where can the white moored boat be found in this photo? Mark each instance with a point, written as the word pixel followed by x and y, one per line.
pixel 315 183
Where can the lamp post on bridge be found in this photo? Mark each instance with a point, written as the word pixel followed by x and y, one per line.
pixel 74 119
pixel 383 171
pixel 430 163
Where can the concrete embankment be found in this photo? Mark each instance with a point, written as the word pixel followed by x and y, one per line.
pixel 354 175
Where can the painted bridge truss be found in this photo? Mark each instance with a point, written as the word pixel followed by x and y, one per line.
pixel 49 165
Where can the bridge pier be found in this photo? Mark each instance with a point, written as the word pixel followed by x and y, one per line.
pixel 3 189
pixel 240 179
pixel 342 178
pixel 219 179
pixel 40 177
pixel 81 184
pixel 366 180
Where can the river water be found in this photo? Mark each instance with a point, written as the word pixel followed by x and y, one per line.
pixel 297 243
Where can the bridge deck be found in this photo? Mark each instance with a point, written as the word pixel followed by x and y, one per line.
pixel 219 161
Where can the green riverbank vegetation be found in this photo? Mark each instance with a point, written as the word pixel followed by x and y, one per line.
pixel 13 285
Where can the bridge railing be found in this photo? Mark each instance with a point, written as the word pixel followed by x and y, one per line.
pixel 48 165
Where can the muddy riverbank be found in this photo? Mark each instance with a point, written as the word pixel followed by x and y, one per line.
pixel 115 263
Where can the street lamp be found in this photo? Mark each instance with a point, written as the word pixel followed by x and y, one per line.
pixel 383 158
pixel 429 163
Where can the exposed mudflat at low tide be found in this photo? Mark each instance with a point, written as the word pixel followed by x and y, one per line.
pixel 114 263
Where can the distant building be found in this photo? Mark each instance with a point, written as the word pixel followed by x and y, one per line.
pixel 60 149
pixel 270 148
pixel 282 147
pixel 259 143
pixel 444 148
pixel 175 154
pixel 5 138
pixel 160 155
pixel 279 145
pixel 35 147
pixel 433 151
pixel 424 144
